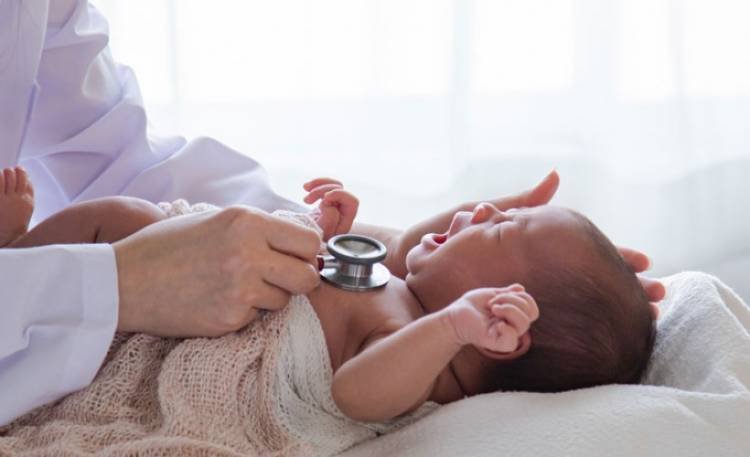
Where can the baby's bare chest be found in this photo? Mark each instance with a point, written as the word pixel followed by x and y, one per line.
pixel 350 318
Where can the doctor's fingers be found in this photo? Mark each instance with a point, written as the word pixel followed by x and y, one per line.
pixel 540 194
pixel 655 290
pixel 636 260
pixel 269 297
pixel 289 273
pixel 252 231
pixel 293 239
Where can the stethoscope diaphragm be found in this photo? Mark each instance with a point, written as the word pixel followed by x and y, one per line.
pixel 354 263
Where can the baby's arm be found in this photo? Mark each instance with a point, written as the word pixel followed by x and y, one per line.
pixel 398 372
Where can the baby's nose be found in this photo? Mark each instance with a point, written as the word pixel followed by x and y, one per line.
pixel 460 220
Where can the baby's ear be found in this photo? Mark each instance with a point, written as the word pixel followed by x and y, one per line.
pixel 523 347
pixel 654 310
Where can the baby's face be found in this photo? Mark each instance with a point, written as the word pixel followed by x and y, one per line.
pixel 491 248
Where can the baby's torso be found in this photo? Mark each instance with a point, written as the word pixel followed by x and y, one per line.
pixel 350 319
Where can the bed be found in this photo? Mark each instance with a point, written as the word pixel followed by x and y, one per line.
pixel 694 400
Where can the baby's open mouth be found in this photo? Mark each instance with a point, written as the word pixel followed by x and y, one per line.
pixel 439 238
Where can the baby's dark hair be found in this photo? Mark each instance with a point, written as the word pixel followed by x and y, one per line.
pixel 595 325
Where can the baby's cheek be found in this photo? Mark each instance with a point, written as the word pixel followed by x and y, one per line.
pixel 412 259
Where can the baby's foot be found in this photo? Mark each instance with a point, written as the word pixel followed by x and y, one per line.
pixel 16 204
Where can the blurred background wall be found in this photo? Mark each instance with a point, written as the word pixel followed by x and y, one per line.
pixel 642 105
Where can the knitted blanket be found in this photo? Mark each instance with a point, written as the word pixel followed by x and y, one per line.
pixel 264 390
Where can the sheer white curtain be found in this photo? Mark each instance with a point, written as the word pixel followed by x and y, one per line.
pixel 642 105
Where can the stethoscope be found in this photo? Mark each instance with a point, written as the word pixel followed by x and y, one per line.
pixel 354 263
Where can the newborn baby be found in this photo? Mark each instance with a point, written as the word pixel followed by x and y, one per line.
pixel 460 323
pixel 449 330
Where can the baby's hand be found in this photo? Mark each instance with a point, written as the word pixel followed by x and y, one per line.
pixel 493 319
pixel 337 209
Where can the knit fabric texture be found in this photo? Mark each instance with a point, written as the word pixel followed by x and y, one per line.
pixel 263 390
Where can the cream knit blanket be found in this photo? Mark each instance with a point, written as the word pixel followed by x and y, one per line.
pixel 264 390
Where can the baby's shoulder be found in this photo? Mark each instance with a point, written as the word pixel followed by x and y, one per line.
pixel 354 320
pixel 387 313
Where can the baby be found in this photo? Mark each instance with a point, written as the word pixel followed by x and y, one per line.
pixel 459 323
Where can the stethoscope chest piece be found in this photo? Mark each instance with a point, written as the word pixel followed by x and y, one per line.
pixel 354 263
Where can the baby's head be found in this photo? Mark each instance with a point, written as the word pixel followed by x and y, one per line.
pixel 596 325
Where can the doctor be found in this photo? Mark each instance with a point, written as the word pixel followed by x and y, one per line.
pixel 74 119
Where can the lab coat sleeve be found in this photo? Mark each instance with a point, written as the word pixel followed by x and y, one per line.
pixel 87 134
pixel 59 314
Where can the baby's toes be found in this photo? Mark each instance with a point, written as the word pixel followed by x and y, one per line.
pixel 10 180
pixel 23 183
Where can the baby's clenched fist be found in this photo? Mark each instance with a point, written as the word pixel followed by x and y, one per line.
pixel 494 319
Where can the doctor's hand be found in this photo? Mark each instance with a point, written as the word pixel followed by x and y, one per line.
pixel 540 194
pixel 639 262
pixel 208 274
pixel 400 245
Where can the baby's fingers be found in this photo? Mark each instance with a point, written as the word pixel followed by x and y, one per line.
pixel 310 185
pixel 522 300
pixel 512 288
pixel 328 220
pixel 507 338
pixel 347 205
pixel 513 316
pixel 318 192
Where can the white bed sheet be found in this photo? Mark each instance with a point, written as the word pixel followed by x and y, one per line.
pixel 697 402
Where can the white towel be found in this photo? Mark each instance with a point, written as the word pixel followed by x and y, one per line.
pixel 695 400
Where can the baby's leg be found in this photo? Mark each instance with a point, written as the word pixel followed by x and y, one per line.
pixel 104 220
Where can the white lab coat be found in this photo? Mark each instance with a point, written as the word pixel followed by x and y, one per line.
pixel 75 120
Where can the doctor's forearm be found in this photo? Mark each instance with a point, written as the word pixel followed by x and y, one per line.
pixel 59 312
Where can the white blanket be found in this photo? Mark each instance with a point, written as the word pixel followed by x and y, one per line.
pixel 696 403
